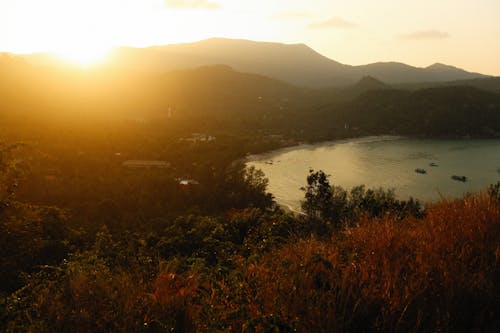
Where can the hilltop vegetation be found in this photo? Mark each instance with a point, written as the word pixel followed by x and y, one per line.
pixel 255 268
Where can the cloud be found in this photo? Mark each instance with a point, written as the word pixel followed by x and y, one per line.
pixel 425 35
pixel 290 15
pixel 332 23
pixel 191 4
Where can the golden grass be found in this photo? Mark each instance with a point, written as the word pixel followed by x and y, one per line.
pixel 440 273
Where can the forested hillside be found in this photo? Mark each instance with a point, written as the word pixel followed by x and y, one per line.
pixel 435 112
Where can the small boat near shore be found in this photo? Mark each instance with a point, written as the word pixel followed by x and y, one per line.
pixel 420 170
pixel 432 164
pixel 459 178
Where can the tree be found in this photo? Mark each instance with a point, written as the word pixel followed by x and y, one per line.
pixel 256 184
pixel 318 196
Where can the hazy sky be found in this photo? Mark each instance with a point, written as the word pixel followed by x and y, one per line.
pixel 463 33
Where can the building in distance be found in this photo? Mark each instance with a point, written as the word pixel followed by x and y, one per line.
pixel 146 164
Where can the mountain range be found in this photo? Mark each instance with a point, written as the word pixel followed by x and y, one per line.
pixel 296 64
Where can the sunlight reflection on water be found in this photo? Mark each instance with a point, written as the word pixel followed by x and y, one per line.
pixel 388 162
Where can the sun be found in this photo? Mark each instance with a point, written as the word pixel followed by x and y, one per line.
pixel 77 32
pixel 82 46
pixel 83 55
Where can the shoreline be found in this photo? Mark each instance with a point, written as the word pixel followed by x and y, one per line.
pixel 360 139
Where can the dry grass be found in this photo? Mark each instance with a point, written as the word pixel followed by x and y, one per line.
pixel 440 273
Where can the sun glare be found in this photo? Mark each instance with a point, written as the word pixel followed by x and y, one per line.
pixel 84 55
pixel 78 32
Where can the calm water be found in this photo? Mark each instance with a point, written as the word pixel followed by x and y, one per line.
pixel 388 162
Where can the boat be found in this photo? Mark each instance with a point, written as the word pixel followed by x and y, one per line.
pixel 459 178
pixel 420 170
pixel 432 164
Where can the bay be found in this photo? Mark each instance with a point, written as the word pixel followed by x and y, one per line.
pixel 384 161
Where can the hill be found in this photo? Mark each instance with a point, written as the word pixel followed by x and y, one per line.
pixel 443 111
pixel 367 83
pixel 394 72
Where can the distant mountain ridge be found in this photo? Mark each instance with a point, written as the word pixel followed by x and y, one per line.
pixel 293 63
pixel 394 72
pixel 297 64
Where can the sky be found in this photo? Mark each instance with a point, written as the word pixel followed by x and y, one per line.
pixel 462 33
